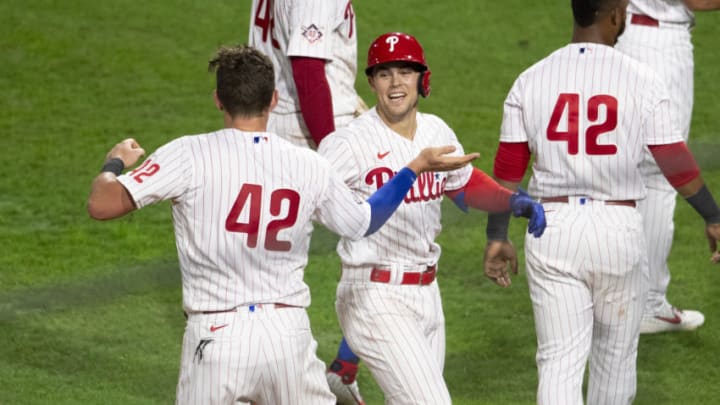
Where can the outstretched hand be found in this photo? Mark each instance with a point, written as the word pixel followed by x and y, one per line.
pixel 523 205
pixel 437 160
pixel 499 255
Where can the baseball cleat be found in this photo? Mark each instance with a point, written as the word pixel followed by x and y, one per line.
pixel 672 319
pixel 346 394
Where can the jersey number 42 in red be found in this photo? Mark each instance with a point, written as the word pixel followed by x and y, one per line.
pixel 250 198
pixel 571 103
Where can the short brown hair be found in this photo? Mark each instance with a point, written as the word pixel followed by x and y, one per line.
pixel 245 80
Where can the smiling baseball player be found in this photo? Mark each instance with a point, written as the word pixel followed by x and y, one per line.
pixel 243 201
pixel 388 299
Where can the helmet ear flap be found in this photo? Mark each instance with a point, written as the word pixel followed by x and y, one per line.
pixel 424 83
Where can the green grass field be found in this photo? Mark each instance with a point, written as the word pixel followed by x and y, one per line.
pixel 90 313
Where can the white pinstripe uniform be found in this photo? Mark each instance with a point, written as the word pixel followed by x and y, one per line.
pixel 586 112
pixel 242 222
pixel 668 50
pixel 323 29
pixel 398 330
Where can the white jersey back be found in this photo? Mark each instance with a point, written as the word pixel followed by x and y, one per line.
pixel 323 29
pixel 242 209
pixel 587 111
pixel 366 154
pixel 668 11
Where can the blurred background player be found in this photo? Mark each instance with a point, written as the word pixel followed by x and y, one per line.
pixel 658 34
pixel 313 45
pixel 243 205
pixel 586 112
pixel 388 300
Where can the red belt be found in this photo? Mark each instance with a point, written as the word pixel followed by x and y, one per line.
pixel 419 277
pixel 640 19
pixel 566 199
pixel 251 308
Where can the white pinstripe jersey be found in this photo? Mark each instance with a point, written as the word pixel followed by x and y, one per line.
pixel 323 29
pixel 366 154
pixel 587 111
pixel 242 206
pixel 669 11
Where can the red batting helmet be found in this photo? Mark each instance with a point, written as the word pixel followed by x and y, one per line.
pixel 399 47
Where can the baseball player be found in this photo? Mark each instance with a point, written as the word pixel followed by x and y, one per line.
pixel 586 112
pixel 243 201
pixel 313 45
pixel 658 34
pixel 388 300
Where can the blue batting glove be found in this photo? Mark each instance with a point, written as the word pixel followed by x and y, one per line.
pixel 522 205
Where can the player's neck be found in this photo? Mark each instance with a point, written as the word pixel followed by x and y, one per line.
pixel 405 127
pixel 593 34
pixel 247 124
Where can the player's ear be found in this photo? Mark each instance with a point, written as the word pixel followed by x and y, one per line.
pixel 218 103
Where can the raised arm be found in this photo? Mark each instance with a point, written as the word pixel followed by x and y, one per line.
pixel 108 198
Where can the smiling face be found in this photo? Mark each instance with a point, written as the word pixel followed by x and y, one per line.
pixel 395 85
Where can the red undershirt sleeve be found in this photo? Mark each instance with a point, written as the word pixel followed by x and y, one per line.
pixel 483 193
pixel 676 162
pixel 314 96
pixel 511 161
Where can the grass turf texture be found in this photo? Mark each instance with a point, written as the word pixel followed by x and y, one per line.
pixel 90 312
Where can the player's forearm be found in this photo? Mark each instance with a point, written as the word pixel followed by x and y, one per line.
pixel 700 198
pixel 499 222
pixel 483 193
pixel 108 198
pixel 387 198
pixel 314 96
pixel 703 5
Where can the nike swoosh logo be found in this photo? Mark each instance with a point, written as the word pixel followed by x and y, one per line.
pixel 214 328
pixel 676 320
pixel 382 155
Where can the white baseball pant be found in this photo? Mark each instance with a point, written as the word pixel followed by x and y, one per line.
pixel 266 356
pixel 399 332
pixel 588 279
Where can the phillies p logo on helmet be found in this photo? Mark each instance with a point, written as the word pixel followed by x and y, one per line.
pixel 392 40
pixel 399 47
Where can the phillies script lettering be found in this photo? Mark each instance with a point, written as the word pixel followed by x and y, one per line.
pixel 425 188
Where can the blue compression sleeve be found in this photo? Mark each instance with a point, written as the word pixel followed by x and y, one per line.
pixel 387 198
pixel 346 354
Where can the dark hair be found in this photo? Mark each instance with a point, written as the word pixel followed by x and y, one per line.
pixel 245 80
pixel 586 11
